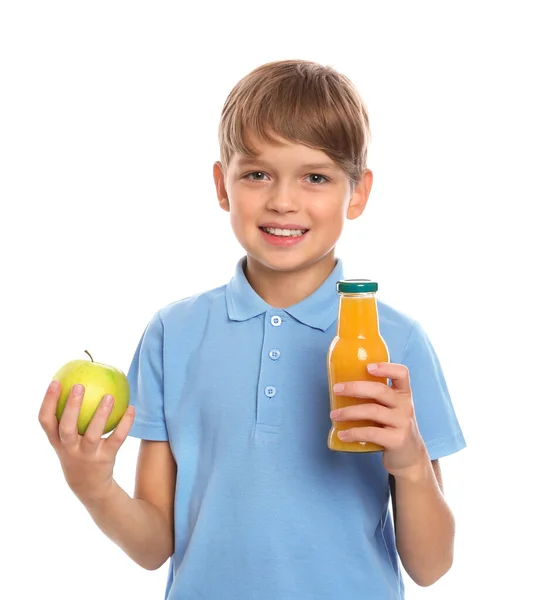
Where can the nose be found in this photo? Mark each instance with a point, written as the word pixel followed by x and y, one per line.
pixel 282 199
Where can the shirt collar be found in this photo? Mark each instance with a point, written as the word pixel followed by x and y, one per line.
pixel 319 310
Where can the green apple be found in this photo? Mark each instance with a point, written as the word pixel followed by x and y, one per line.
pixel 98 380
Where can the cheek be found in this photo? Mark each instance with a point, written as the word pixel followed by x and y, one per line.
pixel 243 201
pixel 329 209
pixel 242 211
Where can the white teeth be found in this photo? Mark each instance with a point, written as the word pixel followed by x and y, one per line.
pixel 284 232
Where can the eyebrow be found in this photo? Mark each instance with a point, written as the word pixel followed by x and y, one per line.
pixel 312 166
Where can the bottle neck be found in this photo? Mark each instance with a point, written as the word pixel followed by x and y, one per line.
pixel 357 316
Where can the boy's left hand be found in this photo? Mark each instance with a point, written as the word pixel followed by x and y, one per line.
pixel 392 408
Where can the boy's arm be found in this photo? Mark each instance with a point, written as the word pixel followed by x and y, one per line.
pixel 423 522
pixel 425 525
pixel 141 526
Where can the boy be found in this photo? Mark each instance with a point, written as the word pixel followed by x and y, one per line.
pixel 234 480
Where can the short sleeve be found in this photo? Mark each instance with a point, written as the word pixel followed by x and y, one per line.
pixel 434 411
pixel 145 377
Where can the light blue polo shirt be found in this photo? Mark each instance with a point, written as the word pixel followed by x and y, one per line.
pixel 263 509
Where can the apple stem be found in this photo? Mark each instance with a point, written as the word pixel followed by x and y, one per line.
pixel 89 355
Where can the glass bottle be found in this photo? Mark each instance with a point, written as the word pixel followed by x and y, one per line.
pixel 357 343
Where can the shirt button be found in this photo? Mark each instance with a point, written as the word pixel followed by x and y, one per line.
pixel 276 321
pixel 270 391
pixel 274 354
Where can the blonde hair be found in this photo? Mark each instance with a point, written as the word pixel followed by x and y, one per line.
pixel 303 102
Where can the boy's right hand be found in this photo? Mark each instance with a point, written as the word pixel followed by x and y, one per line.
pixel 87 460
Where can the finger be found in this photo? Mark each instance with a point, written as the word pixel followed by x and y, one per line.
pixel 96 426
pixel 67 427
pixel 377 435
pixel 47 413
pixel 398 374
pixel 115 440
pixel 371 390
pixel 370 411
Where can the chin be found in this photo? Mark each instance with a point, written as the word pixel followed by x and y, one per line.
pixel 285 262
pixel 284 259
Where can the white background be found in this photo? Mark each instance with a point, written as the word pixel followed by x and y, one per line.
pixel 108 132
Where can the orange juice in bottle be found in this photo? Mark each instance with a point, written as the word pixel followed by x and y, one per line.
pixel 357 343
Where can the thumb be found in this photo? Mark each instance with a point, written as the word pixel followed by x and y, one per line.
pixel 115 440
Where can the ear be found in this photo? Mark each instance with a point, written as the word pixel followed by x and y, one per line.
pixel 222 194
pixel 360 195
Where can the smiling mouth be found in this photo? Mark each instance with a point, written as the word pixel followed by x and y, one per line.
pixel 284 232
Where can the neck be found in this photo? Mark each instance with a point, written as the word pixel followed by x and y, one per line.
pixel 358 316
pixel 281 289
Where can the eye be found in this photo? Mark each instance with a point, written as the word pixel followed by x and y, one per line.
pixel 255 176
pixel 317 179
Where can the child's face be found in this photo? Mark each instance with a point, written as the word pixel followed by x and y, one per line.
pixel 288 186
